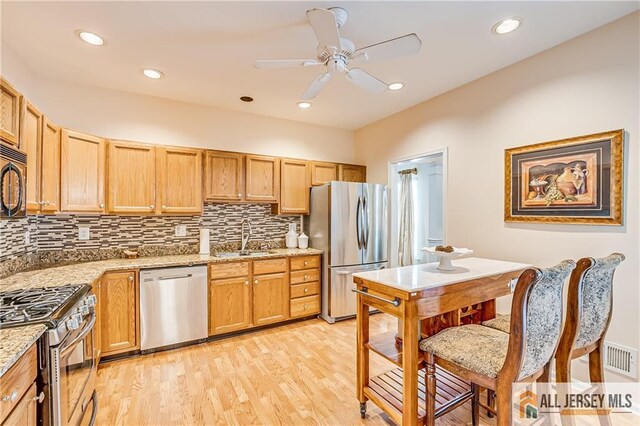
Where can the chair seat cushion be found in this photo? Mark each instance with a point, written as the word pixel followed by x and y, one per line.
pixel 475 347
pixel 501 322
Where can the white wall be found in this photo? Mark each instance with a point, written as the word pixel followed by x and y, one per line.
pixel 589 84
pixel 120 115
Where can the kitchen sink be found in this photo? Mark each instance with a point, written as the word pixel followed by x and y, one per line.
pixel 241 253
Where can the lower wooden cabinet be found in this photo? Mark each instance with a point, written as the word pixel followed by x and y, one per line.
pixel 119 312
pixel 24 414
pixel 270 298
pixel 18 391
pixel 97 330
pixel 229 304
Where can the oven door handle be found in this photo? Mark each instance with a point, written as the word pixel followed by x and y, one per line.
pixel 82 335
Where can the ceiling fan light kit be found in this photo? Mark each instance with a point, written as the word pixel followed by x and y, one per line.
pixel 336 53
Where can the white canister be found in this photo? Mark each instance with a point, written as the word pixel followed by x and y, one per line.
pixel 291 237
pixel 204 241
pixel 303 241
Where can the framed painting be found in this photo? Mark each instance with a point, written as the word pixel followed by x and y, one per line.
pixel 576 180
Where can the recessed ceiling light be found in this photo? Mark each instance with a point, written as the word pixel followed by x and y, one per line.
pixel 91 38
pixel 506 26
pixel 304 105
pixel 396 86
pixel 152 73
pixel 246 98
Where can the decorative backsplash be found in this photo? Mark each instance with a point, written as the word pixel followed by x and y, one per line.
pixel 60 232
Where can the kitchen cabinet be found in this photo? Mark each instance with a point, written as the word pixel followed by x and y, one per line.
pixel 49 171
pixel 119 315
pixel 351 173
pixel 305 286
pixel 224 176
pixel 31 143
pixel 97 330
pixel 82 166
pixel 270 298
pixel 294 187
pixel 25 412
pixel 131 178
pixel 262 178
pixel 322 173
pixel 179 182
pixel 18 391
pixel 10 100
pixel 229 297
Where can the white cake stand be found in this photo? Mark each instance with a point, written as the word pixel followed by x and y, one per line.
pixel 445 258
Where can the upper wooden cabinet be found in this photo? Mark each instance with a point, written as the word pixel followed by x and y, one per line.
pixel 179 182
pixel 49 177
pixel 9 113
pixel 82 172
pixel 294 187
pixel 262 178
pixel 31 143
pixel 322 173
pixel 224 172
pixel 351 173
pixel 119 316
pixel 131 178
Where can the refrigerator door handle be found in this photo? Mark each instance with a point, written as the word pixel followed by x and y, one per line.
pixel 358 223
pixel 365 231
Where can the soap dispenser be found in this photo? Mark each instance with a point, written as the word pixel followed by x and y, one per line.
pixel 291 237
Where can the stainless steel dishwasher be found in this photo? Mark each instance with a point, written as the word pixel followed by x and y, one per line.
pixel 173 306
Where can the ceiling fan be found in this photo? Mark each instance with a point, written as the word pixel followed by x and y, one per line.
pixel 336 53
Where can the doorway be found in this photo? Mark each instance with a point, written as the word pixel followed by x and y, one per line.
pixel 428 183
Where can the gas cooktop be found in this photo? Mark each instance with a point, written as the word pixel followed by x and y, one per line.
pixel 38 305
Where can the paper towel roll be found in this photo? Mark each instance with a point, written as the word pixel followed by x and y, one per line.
pixel 204 241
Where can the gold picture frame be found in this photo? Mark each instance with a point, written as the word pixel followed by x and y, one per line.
pixel 577 180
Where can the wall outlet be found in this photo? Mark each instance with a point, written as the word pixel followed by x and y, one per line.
pixel 84 233
pixel 181 230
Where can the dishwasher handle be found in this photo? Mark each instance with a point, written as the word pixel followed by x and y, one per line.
pixel 175 277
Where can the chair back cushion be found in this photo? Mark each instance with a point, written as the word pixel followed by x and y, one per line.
pixel 543 322
pixel 595 298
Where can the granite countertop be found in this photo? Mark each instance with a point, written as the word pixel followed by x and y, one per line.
pixel 88 272
pixel 14 342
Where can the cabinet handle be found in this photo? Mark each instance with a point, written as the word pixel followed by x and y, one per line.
pixel 246 282
pixel 306 290
pixel 12 397
pixel 306 276
pixel 39 398
pixel 255 281
pixel 248 195
pixel 239 194
pixel 305 306
pixel 152 207
pixel 130 278
pixel 101 206
pixel 163 207
pixel 305 264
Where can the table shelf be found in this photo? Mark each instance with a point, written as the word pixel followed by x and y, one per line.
pixel 385 345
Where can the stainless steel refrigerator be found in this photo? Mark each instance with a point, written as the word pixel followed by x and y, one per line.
pixel 348 221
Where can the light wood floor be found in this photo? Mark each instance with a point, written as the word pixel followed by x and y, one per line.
pixel 299 374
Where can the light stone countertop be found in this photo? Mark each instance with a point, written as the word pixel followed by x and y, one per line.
pixel 14 342
pixel 88 272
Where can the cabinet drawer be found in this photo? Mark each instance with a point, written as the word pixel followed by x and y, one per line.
pixel 17 381
pixel 305 262
pixel 269 266
pixel 228 270
pixel 305 276
pixel 301 290
pixel 305 306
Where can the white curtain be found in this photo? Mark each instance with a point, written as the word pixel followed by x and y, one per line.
pixel 405 241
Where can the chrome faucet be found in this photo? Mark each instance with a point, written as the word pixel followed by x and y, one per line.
pixel 245 237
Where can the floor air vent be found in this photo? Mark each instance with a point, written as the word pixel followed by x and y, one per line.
pixel 621 359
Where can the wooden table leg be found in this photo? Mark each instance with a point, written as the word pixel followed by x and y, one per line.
pixel 362 324
pixel 410 364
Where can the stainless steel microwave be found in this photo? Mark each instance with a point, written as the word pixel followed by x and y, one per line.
pixel 13 182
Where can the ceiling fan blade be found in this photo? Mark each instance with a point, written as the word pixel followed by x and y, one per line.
pixel 325 26
pixel 316 86
pixel 286 63
pixel 406 45
pixel 366 81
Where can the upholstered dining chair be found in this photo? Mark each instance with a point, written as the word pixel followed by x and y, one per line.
pixel 495 360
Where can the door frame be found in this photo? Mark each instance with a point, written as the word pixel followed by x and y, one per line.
pixel 392 180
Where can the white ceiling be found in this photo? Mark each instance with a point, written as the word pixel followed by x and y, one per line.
pixel 206 50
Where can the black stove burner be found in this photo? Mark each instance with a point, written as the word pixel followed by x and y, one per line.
pixel 37 305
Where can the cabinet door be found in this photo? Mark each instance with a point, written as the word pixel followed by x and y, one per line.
pixel 30 137
pixel 179 180
pixel 262 178
pixel 82 172
pixel 224 173
pixel 119 312
pixel 351 173
pixel 97 330
pixel 229 305
pixel 294 187
pixel 322 173
pixel 270 298
pixel 131 178
pixel 50 167
pixel 9 113
pixel 24 414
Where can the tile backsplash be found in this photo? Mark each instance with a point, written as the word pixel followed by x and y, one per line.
pixel 60 232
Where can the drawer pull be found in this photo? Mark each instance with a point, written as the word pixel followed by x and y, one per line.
pixel 246 282
pixel 255 281
pixel 395 302
pixel 306 263
pixel 12 397
pixel 39 398
pixel 306 276
pixel 306 290
pixel 305 306
pixel 130 278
